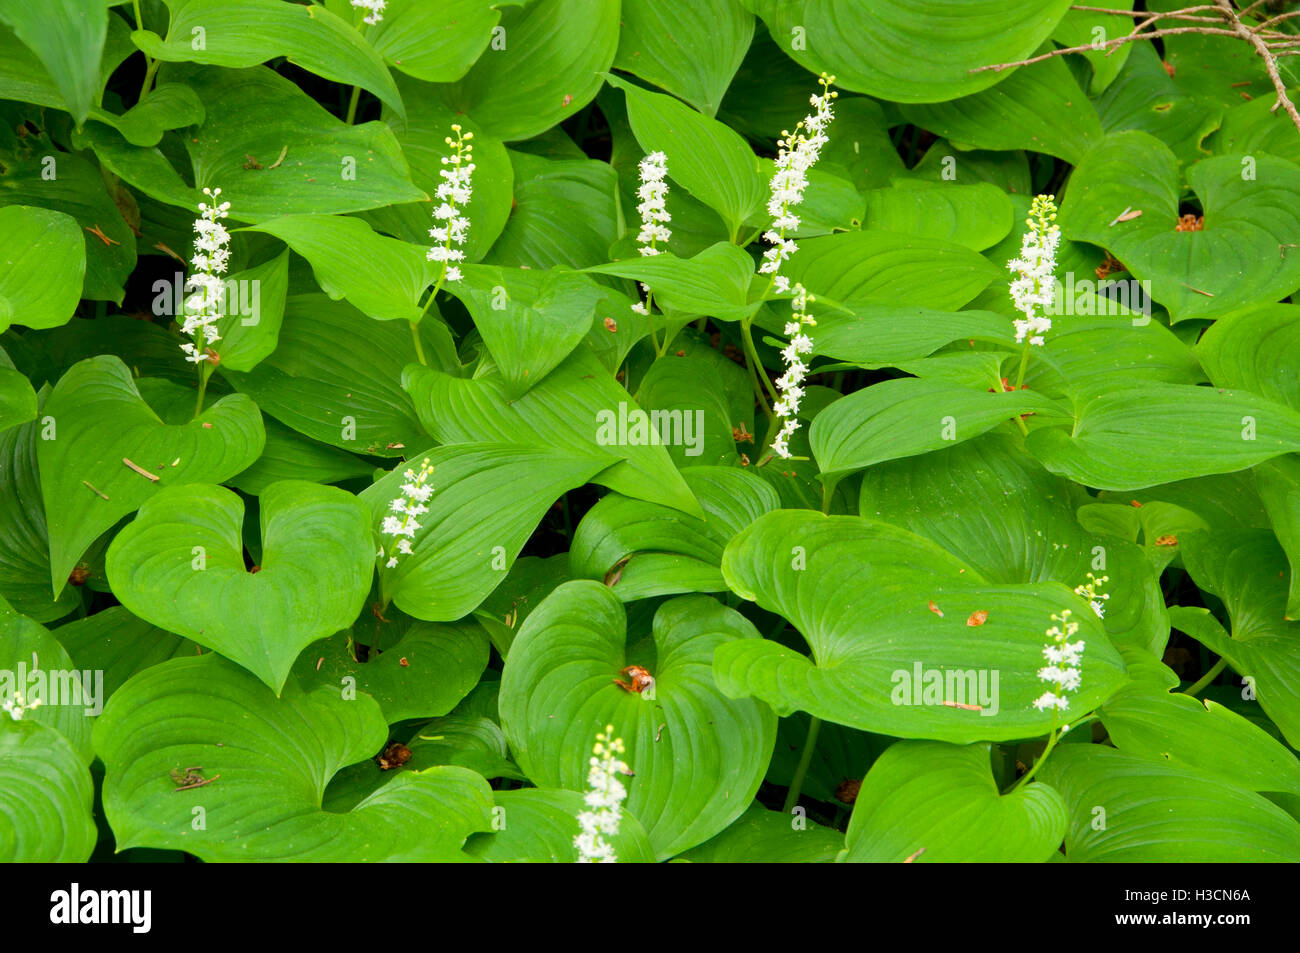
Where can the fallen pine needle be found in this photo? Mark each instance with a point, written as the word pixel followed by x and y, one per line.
pixel 98 492
pixel 141 470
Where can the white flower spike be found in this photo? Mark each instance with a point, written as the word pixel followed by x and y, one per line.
pixel 376 8
pixel 791 382
pixel 453 196
pixel 1035 286
pixel 605 797
pixel 1095 599
pixel 653 192
pixel 205 307
pixel 15 707
pixel 410 504
pixel 1063 671
pixel 798 153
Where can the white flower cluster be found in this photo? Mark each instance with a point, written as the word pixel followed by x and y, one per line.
pixel 211 256
pixel 415 493
pixel 653 191
pixel 1063 671
pixel 791 382
pixel 1095 599
pixel 453 194
pixel 15 707
pixel 1036 285
pixel 605 798
pixel 798 152
pixel 376 8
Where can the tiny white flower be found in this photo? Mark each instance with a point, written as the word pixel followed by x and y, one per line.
pixel 1035 286
pixel 653 193
pixel 452 195
pixel 604 797
pixel 415 491
pixel 1065 658
pixel 210 259
pixel 376 8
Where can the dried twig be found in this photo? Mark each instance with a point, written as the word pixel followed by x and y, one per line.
pixel 153 477
pixel 1270 62
pixel 1268 43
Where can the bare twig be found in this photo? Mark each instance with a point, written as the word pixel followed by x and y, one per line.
pixel 98 492
pixel 1268 44
pixel 1270 61
pixel 1128 38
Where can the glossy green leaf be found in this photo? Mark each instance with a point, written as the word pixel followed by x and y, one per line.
pixel 268 760
pixel 1252 209
pixel 910 51
pixel 238 33
pixel 42 266
pixel 183 555
pixel 557 693
pixel 692 49
pixel 487 500
pixel 68 37
pixel 905 417
pixel 101 422
pixel 334 377
pixel 891 664
pixel 935 802
pixel 256 118
pixel 974 216
pixel 545 69
pixel 577 407
pixel 423 675
pixel 435 43
pixel 704 156
pixel 530 321
pixel 1205 736
pixel 538 825
pixel 990 504
pixel 882 267
pixel 46 795
pixel 760 836
pixel 1039 107
pixel 394 280
pixel 644 549
pixel 1156 812
pixel 1126 438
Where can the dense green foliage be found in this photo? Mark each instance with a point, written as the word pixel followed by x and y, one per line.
pixel 858 556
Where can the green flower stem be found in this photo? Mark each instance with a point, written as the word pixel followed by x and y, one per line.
pixel 1051 743
pixel 150 64
pixel 650 319
pixel 755 373
pixel 1203 682
pixel 415 336
pixel 1020 379
pixel 801 770
pixel 352 104
pixel 205 372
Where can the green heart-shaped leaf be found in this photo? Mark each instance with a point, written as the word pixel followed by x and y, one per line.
pixel 267 761
pixel 698 756
pixel 888 661
pixel 1239 259
pixel 180 565
pixel 101 422
pixel 940 803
